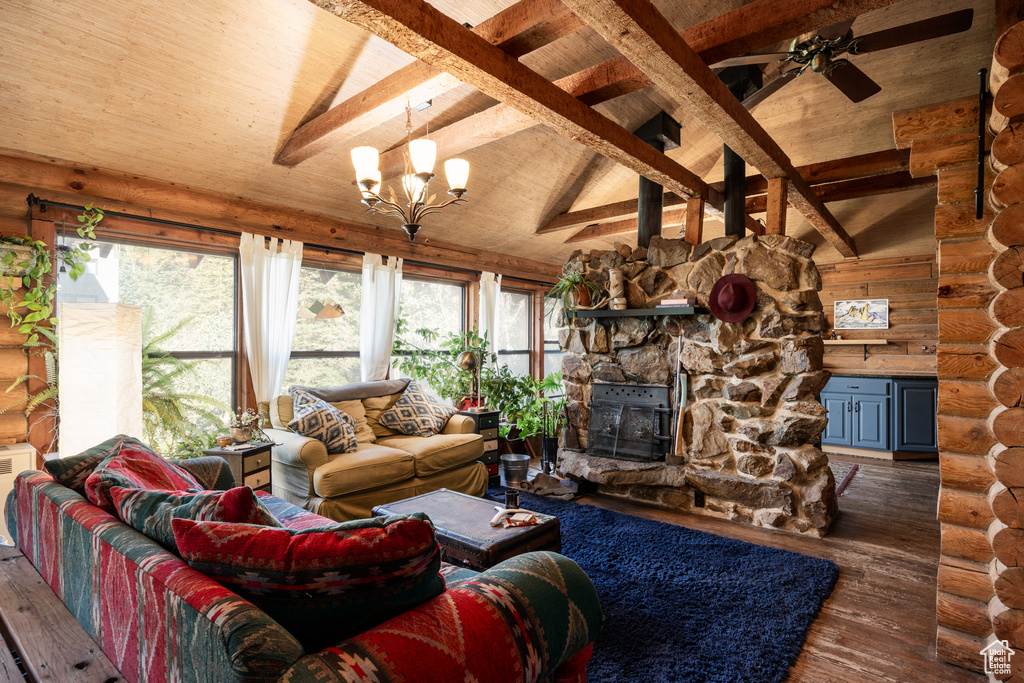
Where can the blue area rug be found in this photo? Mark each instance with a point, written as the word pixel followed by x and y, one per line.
pixel 684 605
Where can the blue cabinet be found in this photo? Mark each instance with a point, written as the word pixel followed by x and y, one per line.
pixel 914 420
pixel 858 412
pixel 881 413
pixel 839 409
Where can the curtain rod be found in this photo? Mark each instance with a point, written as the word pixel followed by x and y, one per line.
pixel 36 201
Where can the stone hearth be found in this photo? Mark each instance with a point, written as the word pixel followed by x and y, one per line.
pixel 752 411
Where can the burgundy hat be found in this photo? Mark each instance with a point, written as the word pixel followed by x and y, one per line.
pixel 732 298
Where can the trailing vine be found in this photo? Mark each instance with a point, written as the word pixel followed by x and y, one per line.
pixel 26 270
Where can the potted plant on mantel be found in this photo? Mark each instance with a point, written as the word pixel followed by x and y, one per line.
pixel 574 291
pixel 546 416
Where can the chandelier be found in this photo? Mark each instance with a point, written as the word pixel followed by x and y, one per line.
pixel 420 156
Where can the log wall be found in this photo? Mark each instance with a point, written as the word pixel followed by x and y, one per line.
pixel 14 426
pixel 980 365
pixel 910 284
pixel 1005 236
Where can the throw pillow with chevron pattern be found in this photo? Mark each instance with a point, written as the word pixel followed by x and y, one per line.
pixel 319 420
pixel 416 413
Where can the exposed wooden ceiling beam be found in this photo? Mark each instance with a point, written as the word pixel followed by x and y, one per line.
pixel 676 216
pixel 855 188
pixel 860 166
pixel 418 29
pixel 518 30
pixel 756 25
pixel 639 31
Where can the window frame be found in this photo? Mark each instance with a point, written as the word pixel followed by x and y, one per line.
pixel 528 352
pixel 238 353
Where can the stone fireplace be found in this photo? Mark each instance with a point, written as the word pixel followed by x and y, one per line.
pixel 745 450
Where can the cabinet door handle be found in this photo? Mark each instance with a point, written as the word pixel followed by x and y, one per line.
pixel 856 408
pixel 849 407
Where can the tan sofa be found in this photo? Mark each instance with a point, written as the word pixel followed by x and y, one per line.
pixel 386 466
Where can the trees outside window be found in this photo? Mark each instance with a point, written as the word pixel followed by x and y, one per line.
pixel 552 322
pixel 513 341
pixel 186 288
pixel 325 352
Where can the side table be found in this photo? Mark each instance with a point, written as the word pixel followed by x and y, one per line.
pixel 250 465
pixel 486 424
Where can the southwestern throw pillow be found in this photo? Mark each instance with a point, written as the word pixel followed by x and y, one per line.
pixel 319 420
pixel 323 584
pixel 151 512
pixel 135 467
pixel 73 470
pixel 416 413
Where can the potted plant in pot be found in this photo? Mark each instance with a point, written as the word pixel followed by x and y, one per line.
pixel 546 416
pixel 574 290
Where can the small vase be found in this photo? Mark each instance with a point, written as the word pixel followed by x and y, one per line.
pixel 241 434
pixel 549 461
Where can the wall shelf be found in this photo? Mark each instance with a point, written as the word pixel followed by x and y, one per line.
pixel 637 312
pixel 856 342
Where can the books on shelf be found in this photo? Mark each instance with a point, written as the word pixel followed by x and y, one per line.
pixel 676 303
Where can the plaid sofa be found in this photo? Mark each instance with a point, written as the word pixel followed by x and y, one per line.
pixel 532 618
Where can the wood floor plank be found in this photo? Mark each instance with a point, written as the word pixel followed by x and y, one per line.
pixel 53 646
pixel 9 670
pixel 879 623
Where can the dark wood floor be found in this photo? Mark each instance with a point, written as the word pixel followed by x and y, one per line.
pixel 879 623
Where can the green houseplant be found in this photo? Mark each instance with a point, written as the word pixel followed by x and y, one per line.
pixel 574 290
pixel 546 416
pixel 27 291
pixel 168 413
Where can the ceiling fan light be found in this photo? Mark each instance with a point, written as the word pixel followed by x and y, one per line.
pixel 457 173
pixel 365 160
pixel 423 154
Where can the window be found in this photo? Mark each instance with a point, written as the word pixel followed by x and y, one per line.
pixel 325 352
pixel 189 293
pixel 514 331
pixel 433 305
pixel 552 322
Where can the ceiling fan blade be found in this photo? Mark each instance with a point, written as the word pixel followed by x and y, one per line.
pixel 853 82
pixel 770 88
pixel 836 30
pixel 936 27
pixel 753 58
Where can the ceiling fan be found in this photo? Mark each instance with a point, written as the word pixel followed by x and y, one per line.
pixel 822 53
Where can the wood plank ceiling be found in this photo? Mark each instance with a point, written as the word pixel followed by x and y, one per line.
pixel 199 93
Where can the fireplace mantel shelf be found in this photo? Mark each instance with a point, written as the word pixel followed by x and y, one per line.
pixel 638 312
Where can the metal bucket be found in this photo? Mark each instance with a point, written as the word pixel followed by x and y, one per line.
pixel 515 466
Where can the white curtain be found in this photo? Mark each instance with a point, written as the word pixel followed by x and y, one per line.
pixel 381 295
pixel 100 380
pixel 490 291
pixel 270 304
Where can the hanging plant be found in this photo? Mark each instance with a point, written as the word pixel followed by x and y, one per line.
pixel 26 262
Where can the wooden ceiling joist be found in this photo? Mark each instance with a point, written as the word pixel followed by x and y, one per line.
pixel 885 162
pixel 639 31
pixel 756 25
pixel 518 30
pixel 418 29
pixel 854 189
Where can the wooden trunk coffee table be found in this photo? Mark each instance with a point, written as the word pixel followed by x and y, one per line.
pixel 463 530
